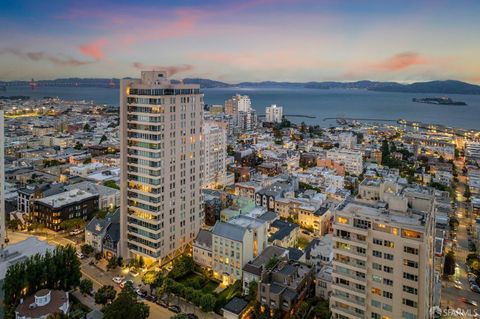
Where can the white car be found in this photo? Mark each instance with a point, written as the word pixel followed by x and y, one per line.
pixel 118 279
pixel 80 255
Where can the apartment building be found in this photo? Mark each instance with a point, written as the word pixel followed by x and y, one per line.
pixel 383 260
pixel 352 160
pixel 162 169
pixel 273 114
pixel 215 154
pixel 239 107
pixel 235 243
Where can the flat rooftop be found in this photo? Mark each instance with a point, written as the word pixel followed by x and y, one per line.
pixel 66 198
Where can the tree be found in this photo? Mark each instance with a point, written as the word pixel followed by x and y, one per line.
pixel 58 269
pixel 86 127
pixel 126 306
pixel 271 263
pixel 449 266
pixel 13 224
pixel 87 249
pixel 87 161
pixel 70 224
pixel 182 266
pixel 78 146
pixel 112 263
pixel 141 262
pixel 321 309
pixel 152 278
pixel 103 139
pixel 111 184
pixel 252 291
pixel 180 316
pixel 207 302
pixel 105 294
pixel 86 286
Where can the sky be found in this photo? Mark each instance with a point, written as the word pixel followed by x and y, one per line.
pixel 249 40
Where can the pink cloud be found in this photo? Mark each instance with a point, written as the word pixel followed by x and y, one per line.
pixel 94 49
pixel 171 70
pixel 401 61
pixel 43 56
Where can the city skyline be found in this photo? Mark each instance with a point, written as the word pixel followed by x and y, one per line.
pixel 252 41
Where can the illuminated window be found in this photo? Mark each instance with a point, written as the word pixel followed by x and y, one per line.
pixel 377 291
pixel 342 220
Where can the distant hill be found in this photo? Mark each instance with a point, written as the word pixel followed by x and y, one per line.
pixel 434 87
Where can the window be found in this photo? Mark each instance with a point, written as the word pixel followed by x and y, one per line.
pixel 388 256
pixel 388 269
pixel 410 290
pixel 342 220
pixel 387 282
pixel 388 243
pixel 377 241
pixel 410 303
pixel 376 303
pixel 410 263
pixel 376 266
pixel 410 250
pixel 376 291
pixel 376 278
pixel 408 315
pixel 376 316
pixel 387 307
pixel 388 294
pixel 377 253
pixel 408 276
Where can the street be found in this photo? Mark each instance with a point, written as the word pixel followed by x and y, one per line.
pixel 451 294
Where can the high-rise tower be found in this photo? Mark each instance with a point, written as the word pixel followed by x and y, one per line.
pixel 161 166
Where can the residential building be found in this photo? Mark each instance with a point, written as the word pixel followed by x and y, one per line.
pixel 215 154
pixel 347 140
pixel 383 258
pixel 97 229
pixel 244 117
pixel 202 249
pixel 162 155
pixel 53 210
pixel 108 197
pixel 352 160
pixel 234 244
pixel 273 114
pixel 323 282
pixel 30 193
pixel 283 286
pixel 43 304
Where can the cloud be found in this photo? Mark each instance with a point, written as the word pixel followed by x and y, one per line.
pixel 171 70
pixel 43 56
pixel 94 49
pixel 401 61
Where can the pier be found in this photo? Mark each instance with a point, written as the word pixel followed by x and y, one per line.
pixel 294 115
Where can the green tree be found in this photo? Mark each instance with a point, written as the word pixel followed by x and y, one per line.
pixel 13 224
pixel 126 306
pixel 105 294
pixel 449 266
pixel 58 269
pixel 252 291
pixel 112 263
pixel 86 285
pixel 86 127
pixel 152 278
pixel 207 302
pixel 182 266
pixel 78 146
pixel 87 249
pixel 71 224
pixel 87 161
pixel 111 184
pixel 180 316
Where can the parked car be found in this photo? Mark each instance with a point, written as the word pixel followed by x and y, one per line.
pixel 475 288
pixel 151 298
pixel 123 283
pixel 175 309
pixel 80 255
pixel 162 302
pixel 76 232
pixel 118 279
pixel 468 301
pixel 141 293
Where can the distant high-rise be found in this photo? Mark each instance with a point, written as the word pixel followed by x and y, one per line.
pixel 161 166
pixel 215 133
pixel 273 114
pixel 2 179
pixel 239 107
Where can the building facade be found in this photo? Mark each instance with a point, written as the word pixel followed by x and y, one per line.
pixel 215 154
pixel 162 169
pixel 383 262
pixel 273 114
